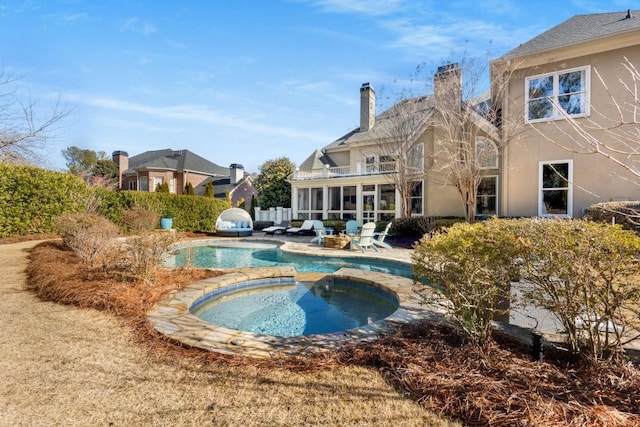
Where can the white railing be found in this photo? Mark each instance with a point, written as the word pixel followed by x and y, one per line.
pixel 276 215
pixel 343 171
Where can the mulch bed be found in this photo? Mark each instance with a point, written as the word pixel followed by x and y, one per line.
pixel 501 386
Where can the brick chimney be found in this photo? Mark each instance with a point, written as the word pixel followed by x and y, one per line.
pixel 447 87
pixel 367 107
pixel 236 173
pixel 121 159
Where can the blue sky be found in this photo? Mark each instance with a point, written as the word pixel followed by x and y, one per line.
pixel 241 81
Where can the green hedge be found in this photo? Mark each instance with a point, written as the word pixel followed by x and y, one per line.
pixel 30 198
pixel 626 214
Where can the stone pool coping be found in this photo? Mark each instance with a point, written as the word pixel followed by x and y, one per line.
pixel 171 316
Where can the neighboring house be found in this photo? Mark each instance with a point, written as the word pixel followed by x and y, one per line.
pixel 561 67
pixel 530 175
pixel 146 171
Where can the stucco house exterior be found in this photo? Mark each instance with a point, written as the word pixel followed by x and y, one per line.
pixel 563 88
pixel 536 171
pixel 143 172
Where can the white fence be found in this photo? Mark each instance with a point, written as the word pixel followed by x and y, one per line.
pixel 277 215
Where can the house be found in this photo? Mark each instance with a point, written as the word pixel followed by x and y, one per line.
pixel 145 171
pixel 353 177
pixel 562 90
pixel 543 169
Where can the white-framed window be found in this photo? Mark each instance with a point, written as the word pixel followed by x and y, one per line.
pixel 486 153
pixel 415 161
pixel 172 185
pixel 416 200
pixel 157 180
pixel 567 89
pixel 487 196
pixel 556 188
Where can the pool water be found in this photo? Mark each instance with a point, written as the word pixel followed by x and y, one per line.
pixel 303 308
pixel 256 254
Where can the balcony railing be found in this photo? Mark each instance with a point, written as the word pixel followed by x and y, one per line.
pixel 345 171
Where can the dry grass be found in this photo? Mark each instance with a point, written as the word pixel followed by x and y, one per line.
pixel 64 365
pixel 431 365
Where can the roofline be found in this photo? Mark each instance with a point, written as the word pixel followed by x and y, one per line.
pixel 630 37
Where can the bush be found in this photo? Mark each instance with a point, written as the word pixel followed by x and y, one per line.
pixel 472 266
pixel 138 219
pixel 30 198
pixel 89 236
pixel 420 225
pixel 586 274
pixel 626 214
pixel 140 256
pixel 260 225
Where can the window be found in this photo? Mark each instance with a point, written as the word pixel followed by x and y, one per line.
pixel 387 197
pixel 416 199
pixel 172 186
pixel 303 199
pixel 157 181
pixel 568 90
pixel 556 188
pixel 486 154
pixel 415 161
pixel 486 197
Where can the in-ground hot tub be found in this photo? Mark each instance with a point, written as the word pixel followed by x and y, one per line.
pixel 173 317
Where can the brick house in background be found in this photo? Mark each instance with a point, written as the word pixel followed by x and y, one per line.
pixel 145 171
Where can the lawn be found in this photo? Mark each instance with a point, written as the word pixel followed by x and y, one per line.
pixel 422 375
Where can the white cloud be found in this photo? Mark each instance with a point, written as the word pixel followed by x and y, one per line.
pixel 366 7
pixel 136 25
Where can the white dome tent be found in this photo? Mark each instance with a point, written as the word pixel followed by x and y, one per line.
pixel 234 222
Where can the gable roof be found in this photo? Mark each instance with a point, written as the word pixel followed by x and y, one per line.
pixel 176 160
pixel 421 105
pixel 579 29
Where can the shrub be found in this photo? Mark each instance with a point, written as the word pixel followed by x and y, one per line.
pixel 140 256
pixel 586 274
pixel 421 225
pixel 260 225
pixel 139 219
pixel 30 198
pixel 89 236
pixel 471 265
pixel 626 214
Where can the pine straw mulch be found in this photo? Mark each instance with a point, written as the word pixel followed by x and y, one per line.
pixel 503 387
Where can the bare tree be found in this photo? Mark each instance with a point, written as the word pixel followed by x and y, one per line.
pixel 401 147
pixel 469 129
pixel 23 131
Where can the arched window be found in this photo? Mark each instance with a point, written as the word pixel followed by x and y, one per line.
pixel 486 153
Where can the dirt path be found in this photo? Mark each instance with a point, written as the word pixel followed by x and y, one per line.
pixel 66 366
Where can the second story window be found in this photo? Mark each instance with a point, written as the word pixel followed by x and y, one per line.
pixel 486 153
pixel 550 96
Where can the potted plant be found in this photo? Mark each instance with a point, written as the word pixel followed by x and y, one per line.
pixel 166 219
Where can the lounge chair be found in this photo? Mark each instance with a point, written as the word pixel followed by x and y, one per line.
pixel 277 229
pixel 351 227
pixel 305 229
pixel 318 228
pixel 364 240
pixel 378 238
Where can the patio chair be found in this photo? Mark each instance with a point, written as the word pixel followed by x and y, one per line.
pixel 305 229
pixel 351 227
pixel 378 238
pixel 364 240
pixel 318 228
pixel 277 229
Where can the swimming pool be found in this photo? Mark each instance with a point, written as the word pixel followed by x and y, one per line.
pixel 240 253
pixel 292 308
